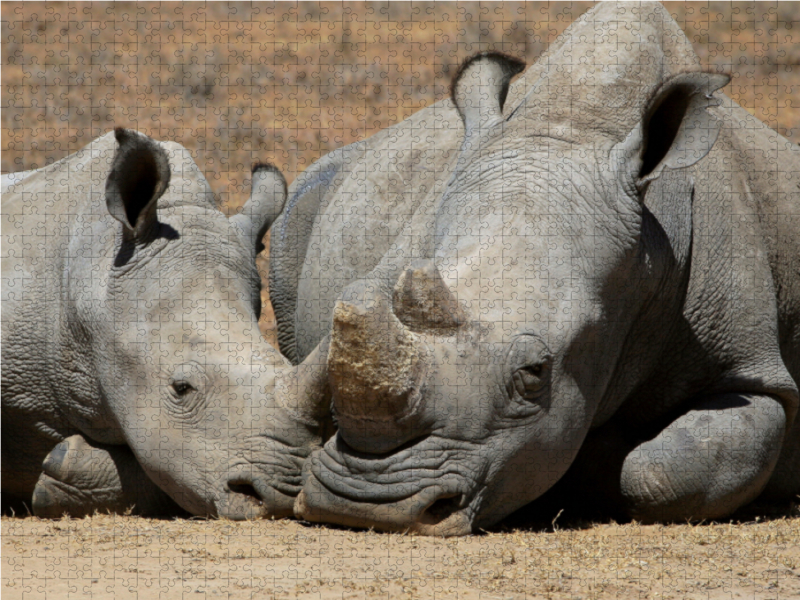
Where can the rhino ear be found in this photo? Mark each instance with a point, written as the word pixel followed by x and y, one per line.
pixel 267 197
pixel 480 87
pixel 676 130
pixel 139 176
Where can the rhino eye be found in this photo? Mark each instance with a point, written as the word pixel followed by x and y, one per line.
pixel 181 388
pixel 530 381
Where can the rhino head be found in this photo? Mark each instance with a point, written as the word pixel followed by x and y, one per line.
pixel 465 381
pixel 215 415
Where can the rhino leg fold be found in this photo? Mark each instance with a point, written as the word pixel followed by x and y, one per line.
pixel 707 463
pixel 80 478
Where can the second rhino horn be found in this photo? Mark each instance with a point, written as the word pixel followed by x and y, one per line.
pixel 423 301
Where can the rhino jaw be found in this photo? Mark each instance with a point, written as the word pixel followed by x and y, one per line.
pixel 433 514
pixel 357 490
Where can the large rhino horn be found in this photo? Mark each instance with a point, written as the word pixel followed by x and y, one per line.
pixel 422 300
pixel 480 87
pixel 375 363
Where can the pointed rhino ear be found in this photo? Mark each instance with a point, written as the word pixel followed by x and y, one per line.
pixel 139 176
pixel 676 130
pixel 480 87
pixel 267 197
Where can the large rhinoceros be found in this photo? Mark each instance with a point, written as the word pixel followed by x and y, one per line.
pixel 603 257
pixel 131 351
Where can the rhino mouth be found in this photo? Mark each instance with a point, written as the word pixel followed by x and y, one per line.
pixel 426 486
pixel 244 500
pixel 262 484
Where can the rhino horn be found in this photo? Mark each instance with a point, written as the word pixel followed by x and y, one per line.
pixel 305 394
pixel 422 300
pixel 480 87
pixel 267 197
pixel 375 363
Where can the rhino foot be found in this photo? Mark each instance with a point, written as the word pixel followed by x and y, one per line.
pixel 80 478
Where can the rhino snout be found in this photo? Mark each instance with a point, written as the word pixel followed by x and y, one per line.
pixel 371 491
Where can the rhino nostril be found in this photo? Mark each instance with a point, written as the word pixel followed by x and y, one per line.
pixel 441 509
pixel 246 489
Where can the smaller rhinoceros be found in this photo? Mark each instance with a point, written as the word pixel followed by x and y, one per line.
pixel 133 367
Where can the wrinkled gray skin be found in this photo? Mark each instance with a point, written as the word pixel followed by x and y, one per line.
pixel 134 372
pixel 606 261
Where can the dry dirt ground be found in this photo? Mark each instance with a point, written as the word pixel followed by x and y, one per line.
pixel 125 557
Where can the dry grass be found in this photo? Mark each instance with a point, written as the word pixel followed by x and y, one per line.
pixel 131 557
pixel 236 82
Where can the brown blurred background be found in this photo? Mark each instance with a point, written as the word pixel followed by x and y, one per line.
pixel 241 82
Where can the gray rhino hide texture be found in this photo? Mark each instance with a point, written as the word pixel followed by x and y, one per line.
pixel 134 373
pixel 589 275
pixel 573 279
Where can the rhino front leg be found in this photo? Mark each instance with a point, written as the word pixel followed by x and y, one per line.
pixel 80 478
pixel 707 463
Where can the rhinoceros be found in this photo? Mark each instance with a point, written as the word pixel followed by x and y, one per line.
pixel 595 266
pixel 134 371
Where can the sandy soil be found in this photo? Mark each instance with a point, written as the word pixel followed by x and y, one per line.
pixel 129 557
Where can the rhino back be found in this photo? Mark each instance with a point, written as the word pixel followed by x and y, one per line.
pixel 771 164
pixel 290 236
pixel 737 328
pixel 42 213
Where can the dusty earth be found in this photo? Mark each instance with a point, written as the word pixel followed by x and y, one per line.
pixel 125 557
